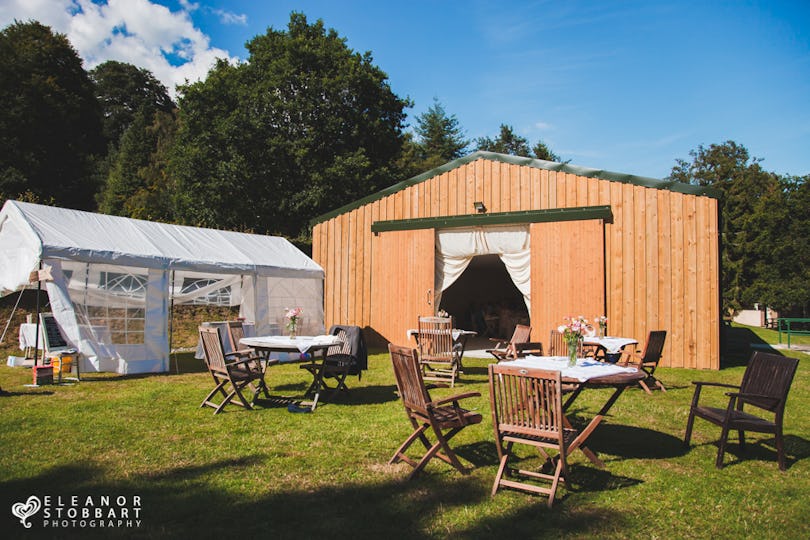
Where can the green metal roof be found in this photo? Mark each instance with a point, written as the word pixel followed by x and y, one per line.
pixel 497 218
pixel 654 183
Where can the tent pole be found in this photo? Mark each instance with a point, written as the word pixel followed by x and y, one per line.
pixel 171 323
pixel 13 310
pixel 36 336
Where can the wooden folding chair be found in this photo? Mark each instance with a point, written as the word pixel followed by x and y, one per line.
pixel 648 360
pixel 439 355
pixel 556 344
pixel 558 347
pixel 444 417
pixel 340 361
pixel 231 373
pixel 519 345
pixel 765 385
pixel 527 409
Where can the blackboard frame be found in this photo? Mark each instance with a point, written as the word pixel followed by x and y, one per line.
pixel 51 334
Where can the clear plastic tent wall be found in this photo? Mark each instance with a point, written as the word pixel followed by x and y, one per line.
pixel 115 279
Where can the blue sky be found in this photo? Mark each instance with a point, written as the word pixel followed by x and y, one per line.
pixel 622 86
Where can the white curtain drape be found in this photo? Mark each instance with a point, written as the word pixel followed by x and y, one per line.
pixel 455 248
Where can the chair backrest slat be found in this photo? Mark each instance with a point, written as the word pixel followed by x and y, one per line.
pixel 521 334
pixel 558 346
pixel 526 401
pixel 408 374
pixel 236 331
pixel 212 347
pixel 435 336
pixel 655 346
pixel 769 375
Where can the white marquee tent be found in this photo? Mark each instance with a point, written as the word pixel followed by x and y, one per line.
pixel 115 278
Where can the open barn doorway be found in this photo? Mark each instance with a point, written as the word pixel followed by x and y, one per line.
pixel 485 299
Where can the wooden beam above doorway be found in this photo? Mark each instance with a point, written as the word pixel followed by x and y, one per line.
pixel 497 218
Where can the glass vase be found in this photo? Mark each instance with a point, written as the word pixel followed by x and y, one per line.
pixel 572 353
pixel 292 331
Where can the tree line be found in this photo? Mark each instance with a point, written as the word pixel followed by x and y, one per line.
pixel 303 126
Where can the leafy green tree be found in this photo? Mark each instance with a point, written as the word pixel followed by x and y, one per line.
pixel 303 126
pixel 758 211
pixel 123 90
pixel 542 151
pixel 138 184
pixel 132 99
pixel 508 142
pixel 780 227
pixel 440 138
pixel 411 160
pixel 50 121
pixel 152 199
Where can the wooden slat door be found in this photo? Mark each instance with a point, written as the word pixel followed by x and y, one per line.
pixel 402 283
pixel 568 273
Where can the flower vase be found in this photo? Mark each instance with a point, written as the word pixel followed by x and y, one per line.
pixel 602 330
pixel 572 353
pixel 292 332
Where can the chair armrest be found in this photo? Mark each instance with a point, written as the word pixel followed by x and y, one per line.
pixel 532 345
pixel 242 361
pixel 431 386
pixel 743 395
pixel 721 385
pixel 457 397
pixel 242 353
pixel 699 386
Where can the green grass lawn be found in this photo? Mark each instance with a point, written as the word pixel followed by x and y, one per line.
pixel 324 475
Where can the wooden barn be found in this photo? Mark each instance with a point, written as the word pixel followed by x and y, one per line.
pixel 490 237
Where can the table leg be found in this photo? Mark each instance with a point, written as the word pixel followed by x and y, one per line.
pixel 317 385
pixel 579 441
pixel 264 362
pixel 462 341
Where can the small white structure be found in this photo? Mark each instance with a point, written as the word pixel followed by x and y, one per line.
pixel 757 316
pixel 115 278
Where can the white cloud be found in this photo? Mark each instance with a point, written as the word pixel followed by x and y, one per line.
pixel 137 32
pixel 228 17
pixel 543 126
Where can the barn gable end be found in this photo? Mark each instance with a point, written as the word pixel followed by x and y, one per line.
pixel 659 260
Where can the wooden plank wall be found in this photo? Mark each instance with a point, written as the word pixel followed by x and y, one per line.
pixel 661 250
pixel 406 258
pixel 568 279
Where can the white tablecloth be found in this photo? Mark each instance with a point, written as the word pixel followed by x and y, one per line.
pixel 611 344
pixel 28 335
pixel 301 343
pixel 584 370
pixel 457 333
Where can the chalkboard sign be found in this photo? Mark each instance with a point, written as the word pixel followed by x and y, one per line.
pixel 51 333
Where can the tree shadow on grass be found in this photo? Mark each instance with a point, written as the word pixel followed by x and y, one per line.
pixel 33 393
pixel 480 454
pixel 635 442
pixel 760 447
pixel 591 479
pixel 475 371
pixel 737 344
pixel 362 395
pixel 192 502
